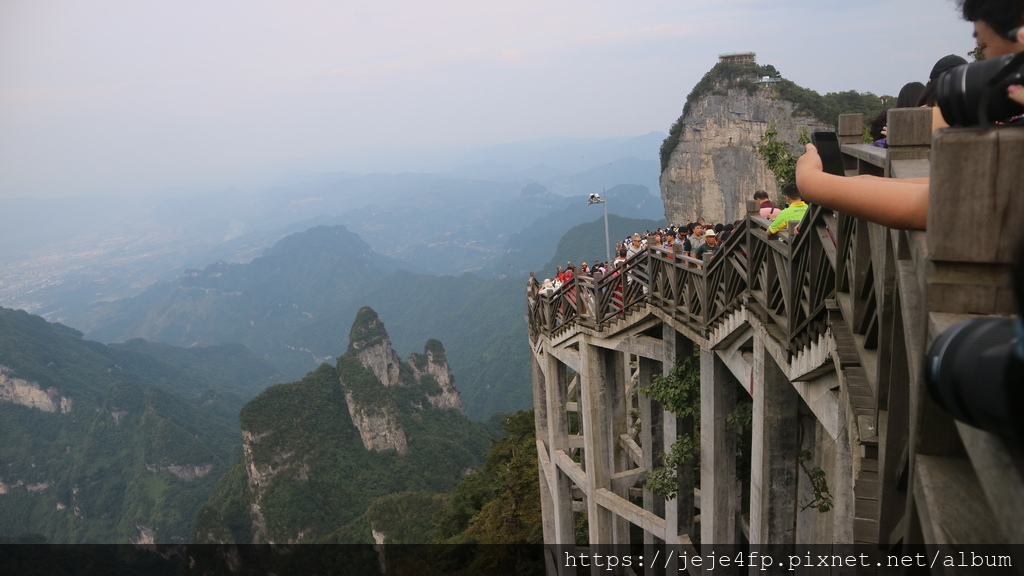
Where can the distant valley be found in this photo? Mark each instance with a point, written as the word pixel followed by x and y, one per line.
pixel 238 267
pixel 181 317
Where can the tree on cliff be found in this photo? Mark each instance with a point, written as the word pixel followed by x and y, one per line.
pixel 744 75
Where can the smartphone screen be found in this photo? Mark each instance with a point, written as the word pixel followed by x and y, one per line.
pixel 827 144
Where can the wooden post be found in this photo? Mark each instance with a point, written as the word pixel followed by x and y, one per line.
pixel 851 131
pixel 909 139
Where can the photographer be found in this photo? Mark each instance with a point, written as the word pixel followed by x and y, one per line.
pixel 903 204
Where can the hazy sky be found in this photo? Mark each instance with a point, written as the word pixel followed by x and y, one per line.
pixel 132 97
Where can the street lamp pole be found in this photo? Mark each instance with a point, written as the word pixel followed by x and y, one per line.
pixel 598 199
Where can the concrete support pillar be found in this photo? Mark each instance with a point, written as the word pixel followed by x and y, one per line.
pixel 540 423
pixel 775 448
pixel 558 440
pixel 679 512
pixel 670 431
pixel 718 496
pixel 617 368
pixel 652 442
pixel 595 409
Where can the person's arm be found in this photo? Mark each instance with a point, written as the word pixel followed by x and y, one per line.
pixel 890 202
pixel 781 221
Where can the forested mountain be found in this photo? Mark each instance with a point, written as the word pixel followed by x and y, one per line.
pixel 320 452
pixel 291 305
pixel 119 443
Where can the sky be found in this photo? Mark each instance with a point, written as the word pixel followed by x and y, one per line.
pixel 131 98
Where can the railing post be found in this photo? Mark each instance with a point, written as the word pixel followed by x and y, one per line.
pixel 909 139
pixel 851 131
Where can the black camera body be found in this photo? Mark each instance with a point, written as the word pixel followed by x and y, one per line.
pixel 975 370
pixel 975 94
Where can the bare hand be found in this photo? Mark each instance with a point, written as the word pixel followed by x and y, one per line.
pixel 809 163
pixel 1016 93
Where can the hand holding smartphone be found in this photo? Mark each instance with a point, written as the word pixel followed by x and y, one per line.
pixel 827 144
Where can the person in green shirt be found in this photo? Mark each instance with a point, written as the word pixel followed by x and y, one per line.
pixel 795 211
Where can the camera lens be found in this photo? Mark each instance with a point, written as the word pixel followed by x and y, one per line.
pixel 975 93
pixel 973 373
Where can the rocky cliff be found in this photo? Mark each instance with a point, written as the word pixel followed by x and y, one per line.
pixel 30 394
pixel 317 452
pixel 714 168
pixel 432 370
pixel 369 342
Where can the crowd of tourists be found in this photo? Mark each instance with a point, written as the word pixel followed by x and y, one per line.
pixel 694 243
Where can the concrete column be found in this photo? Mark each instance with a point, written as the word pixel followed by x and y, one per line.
pixel 651 440
pixel 774 451
pixel 540 423
pixel 670 431
pixel 617 368
pixel 679 515
pixel 718 390
pixel 558 439
pixel 595 409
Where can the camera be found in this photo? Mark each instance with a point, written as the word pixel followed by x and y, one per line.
pixel 974 94
pixel 975 370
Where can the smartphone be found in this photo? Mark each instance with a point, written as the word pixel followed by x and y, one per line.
pixel 827 144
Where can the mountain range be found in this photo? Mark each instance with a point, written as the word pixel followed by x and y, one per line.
pixel 114 443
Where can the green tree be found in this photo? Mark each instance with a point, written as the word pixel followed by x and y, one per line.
pixel 778 156
pixel 679 393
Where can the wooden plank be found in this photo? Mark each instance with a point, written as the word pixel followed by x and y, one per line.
pixel 866 483
pixel 866 508
pixel 865 531
pixel 910 168
pixel 1000 472
pixel 960 288
pixel 950 503
pixel 867 153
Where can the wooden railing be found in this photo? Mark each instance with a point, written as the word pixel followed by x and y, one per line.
pixel 791 278
pixel 879 297
pixel 788 277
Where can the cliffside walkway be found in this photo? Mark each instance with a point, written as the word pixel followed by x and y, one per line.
pixel 825 333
